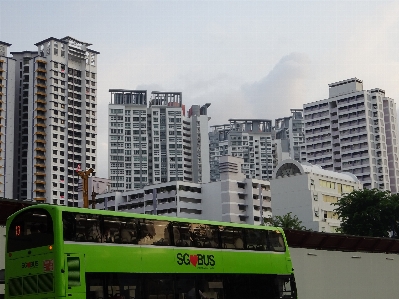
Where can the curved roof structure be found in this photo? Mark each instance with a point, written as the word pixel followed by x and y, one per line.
pixel 291 167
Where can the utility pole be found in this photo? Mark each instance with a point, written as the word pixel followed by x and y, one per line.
pixel 85 180
pixel 93 199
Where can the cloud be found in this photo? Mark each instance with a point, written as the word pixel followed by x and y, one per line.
pixel 284 88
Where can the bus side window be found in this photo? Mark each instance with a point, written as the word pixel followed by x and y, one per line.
pixel 80 232
pixel 276 241
pixel 154 232
pixel 204 235
pixel 129 231
pixel 69 224
pixel 112 226
pixel 232 237
pixel 93 231
pixel 256 239
pixel 181 234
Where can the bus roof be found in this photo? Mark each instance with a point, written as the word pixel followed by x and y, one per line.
pixel 146 216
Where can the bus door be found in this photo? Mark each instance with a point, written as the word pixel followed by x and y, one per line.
pixel 75 282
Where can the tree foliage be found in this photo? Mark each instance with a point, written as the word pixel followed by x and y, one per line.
pixel 286 222
pixel 367 212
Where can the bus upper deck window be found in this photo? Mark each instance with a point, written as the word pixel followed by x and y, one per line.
pixel 256 239
pixel 30 229
pixel 276 241
pixel 232 237
pixel 204 235
pixel 181 234
pixel 154 232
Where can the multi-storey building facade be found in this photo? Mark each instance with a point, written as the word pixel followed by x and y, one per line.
pixel 218 147
pixel 57 116
pixel 232 199
pixel 288 136
pixel 309 192
pixel 155 142
pixel 250 139
pixel 7 121
pixel 355 131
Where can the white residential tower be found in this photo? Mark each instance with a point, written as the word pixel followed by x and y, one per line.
pixel 355 131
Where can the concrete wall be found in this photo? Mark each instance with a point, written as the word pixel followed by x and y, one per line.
pixel 336 274
pixel 292 194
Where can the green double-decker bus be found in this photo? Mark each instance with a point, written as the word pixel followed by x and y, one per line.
pixel 61 252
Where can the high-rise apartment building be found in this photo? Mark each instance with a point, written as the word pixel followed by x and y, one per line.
pixel 56 101
pixel 288 136
pixel 156 142
pixel 355 131
pixel 250 139
pixel 7 121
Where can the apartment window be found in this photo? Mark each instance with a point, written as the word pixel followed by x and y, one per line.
pixel 55 65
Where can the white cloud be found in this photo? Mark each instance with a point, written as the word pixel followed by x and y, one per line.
pixel 282 89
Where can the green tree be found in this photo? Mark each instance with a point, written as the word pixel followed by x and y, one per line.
pixel 368 213
pixel 286 221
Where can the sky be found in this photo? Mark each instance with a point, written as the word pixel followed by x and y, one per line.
pixel 249 59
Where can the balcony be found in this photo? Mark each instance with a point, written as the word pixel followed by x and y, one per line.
pixel 40 93
pixel 41 77
pixel 41 109
pixel 41 101
pixel 39 182
pixel 40 190
pixel 41 199
pixel 41 86
pixel 40 165
pixel 41 117
pixel 41 70
pixel 42 125
pixel 40 173
pixel 42 133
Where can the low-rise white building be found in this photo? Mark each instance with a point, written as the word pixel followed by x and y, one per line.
pixel 308 191
pixel 233 198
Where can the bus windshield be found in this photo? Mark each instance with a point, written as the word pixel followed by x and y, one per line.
pixel 30 229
